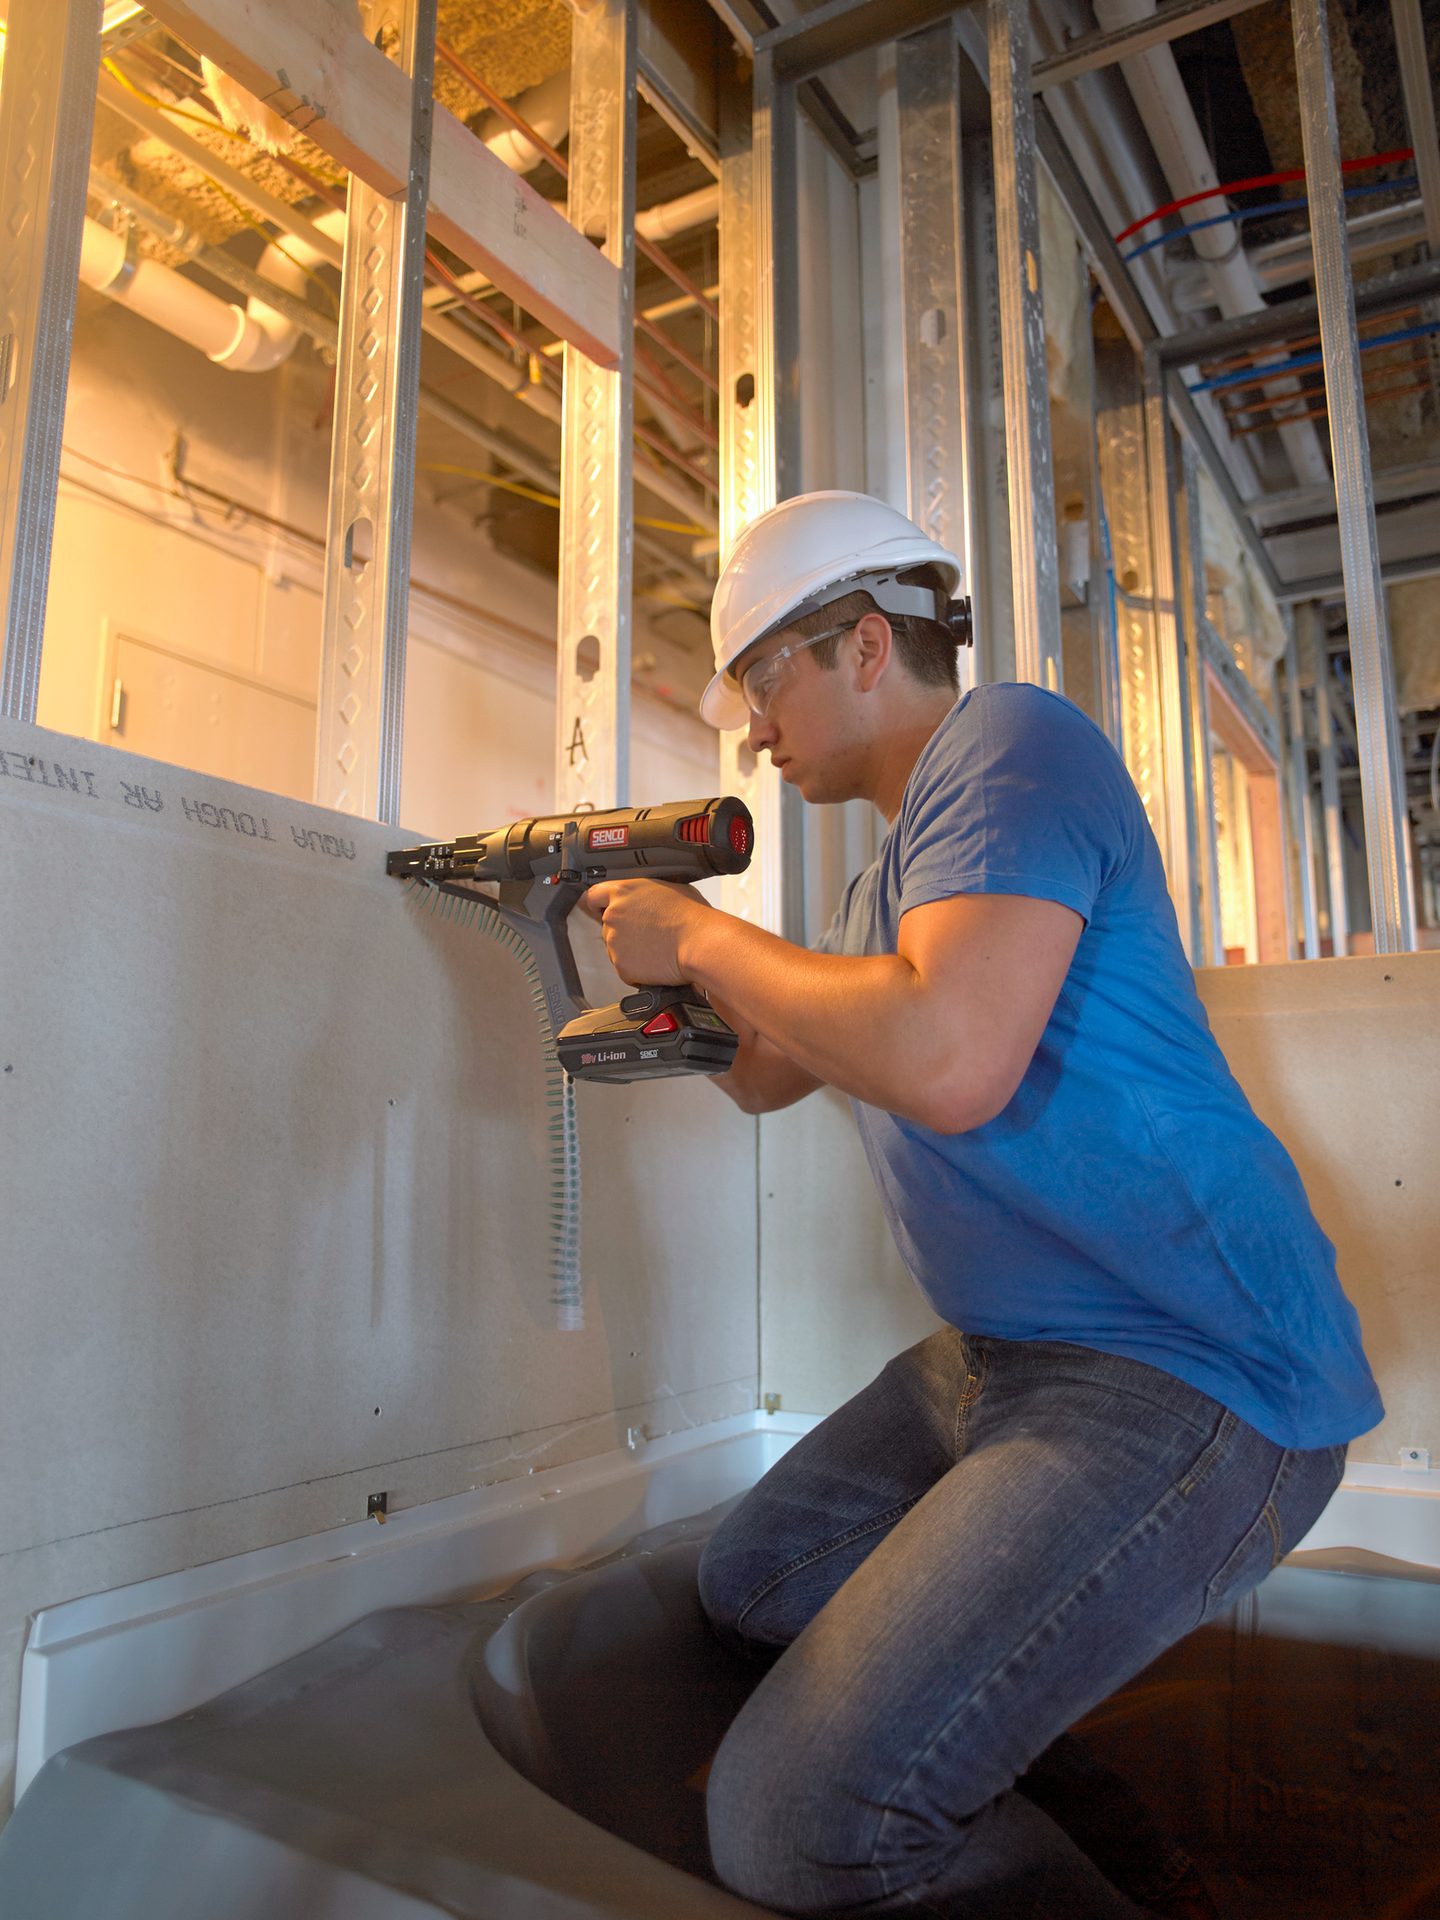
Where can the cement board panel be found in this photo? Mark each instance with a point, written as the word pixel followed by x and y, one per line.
pixel 1342 1059
pixel 276 1192
pixel 836 1300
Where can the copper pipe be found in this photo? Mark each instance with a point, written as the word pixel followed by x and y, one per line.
pixel 673 455
pixel 552 379
pixel 691 365
pixel 1304 373
pixel 1314 413
pixel 502 106
pixel 677 274
pixel 441 273
pixel 562 166
pixel 1255 355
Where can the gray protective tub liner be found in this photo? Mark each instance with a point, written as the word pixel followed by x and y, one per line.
pixel 416 1764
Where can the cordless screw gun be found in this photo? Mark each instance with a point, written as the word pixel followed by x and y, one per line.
pixel 543 866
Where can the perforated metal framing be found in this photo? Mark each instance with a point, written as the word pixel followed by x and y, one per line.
pixel 1310 627
pixel 1180 840
pixel 1301 823
pixel 927 85
pixel 372 468
pixel 989 501
pixel 1381 784
pixel 760 440
pixel 1212 950
pixel 1124 481
pixel 597 526
pixel 747 468
pixel 47 108
pixel 1035 561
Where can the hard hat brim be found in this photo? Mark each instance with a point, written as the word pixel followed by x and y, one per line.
pixel 722 705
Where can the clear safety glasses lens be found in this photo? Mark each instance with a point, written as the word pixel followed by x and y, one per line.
pixel 762 677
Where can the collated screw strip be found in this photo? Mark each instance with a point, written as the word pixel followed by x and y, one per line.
pixel 563 1132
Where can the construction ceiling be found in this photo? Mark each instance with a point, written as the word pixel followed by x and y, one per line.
pixel 1239 76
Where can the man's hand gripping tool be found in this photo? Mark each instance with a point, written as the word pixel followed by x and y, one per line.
pixel 543 866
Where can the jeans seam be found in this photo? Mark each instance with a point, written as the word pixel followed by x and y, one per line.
pixel 857 1532
pixel 1269 1518
pixel 976 1368
pixel 1209 1455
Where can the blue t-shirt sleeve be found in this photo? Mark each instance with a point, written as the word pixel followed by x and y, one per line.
pixel 1019 793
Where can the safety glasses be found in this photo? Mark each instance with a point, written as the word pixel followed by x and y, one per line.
pixel 761 679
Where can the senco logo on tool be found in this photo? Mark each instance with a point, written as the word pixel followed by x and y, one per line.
pixel 609 837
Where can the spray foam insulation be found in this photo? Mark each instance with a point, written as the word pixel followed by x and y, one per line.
pixel 511 44
pixel 1414 609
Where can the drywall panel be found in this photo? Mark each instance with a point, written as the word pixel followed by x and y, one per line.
pixel 276 1192
pixel 1340 1057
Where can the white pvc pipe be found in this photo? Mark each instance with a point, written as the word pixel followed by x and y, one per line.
pixel 159 294
pixel 679 216
pixel 288 261
pixel 547 108
pixel 1159 93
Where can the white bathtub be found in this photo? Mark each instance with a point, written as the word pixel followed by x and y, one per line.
pixel 146 1652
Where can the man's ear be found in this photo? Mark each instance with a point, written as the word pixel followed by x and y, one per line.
pixel 876 644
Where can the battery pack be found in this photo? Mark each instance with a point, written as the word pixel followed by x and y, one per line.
pixel 649 1035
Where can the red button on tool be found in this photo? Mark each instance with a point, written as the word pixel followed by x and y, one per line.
pixel 662 1023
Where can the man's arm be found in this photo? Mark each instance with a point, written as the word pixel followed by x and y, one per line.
pixel 763 1077
pixel 940 1032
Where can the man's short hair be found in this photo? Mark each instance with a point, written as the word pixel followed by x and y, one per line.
pixel 925 648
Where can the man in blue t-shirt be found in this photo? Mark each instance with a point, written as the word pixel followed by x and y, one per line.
pixel 1148 1373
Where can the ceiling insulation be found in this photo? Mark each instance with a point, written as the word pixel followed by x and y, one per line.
pixel 1265 39
pixel 178 187
pixel 1414 610
pixel 512 44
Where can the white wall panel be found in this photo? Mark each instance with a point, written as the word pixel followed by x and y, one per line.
pixel 274 1159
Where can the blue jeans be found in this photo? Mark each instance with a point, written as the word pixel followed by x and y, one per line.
pixel 944 1576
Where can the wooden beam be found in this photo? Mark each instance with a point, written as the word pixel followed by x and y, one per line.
pixel 309 62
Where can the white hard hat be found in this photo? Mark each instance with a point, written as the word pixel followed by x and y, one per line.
pixel 803 554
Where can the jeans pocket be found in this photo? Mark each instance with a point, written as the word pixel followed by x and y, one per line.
pixel 1216 1449
pixel 1259 1550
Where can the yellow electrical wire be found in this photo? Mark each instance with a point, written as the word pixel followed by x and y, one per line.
pixel 548 499
pixel 216 126
pixel 167 106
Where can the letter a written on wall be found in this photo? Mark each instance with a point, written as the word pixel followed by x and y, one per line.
pixel 592 738
pixel 372 462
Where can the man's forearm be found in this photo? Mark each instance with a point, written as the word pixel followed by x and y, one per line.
pixel 761 1077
